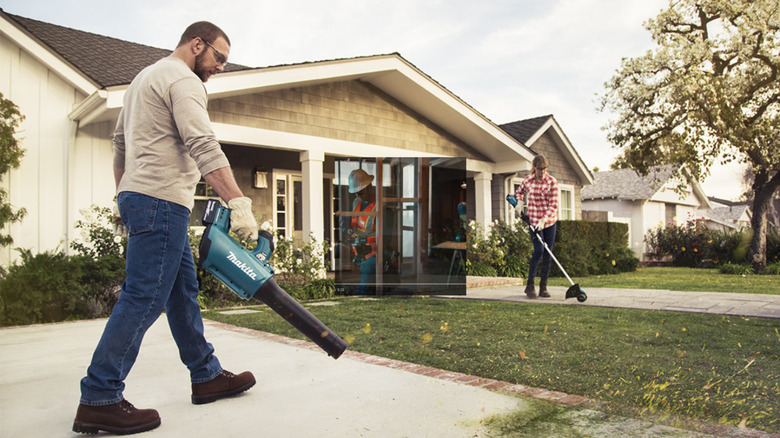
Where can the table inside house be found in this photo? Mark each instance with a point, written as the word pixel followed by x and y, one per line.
pixel 458 257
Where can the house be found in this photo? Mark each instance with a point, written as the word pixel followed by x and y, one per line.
pixel 289 131
pixel 725 215
pixel 644 202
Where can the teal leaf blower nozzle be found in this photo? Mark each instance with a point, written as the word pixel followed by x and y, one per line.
pixel 250 275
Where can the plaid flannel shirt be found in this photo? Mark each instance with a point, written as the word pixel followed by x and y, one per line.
pixel 542 198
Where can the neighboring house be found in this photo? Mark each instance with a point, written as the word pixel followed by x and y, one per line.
pixel 543 135
pixel 283 128
pixel 644 202
pixel 725 215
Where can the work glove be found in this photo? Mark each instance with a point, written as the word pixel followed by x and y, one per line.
pixel 242 221
pixel 519 210
pixel 116 220
pixel 540 225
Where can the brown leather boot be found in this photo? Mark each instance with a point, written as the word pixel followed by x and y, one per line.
pixel 224 385
pixel 119 418
pixel 543 289
pixel 529 289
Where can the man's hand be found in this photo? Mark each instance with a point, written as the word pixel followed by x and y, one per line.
pixel 242 221
pixel 540 225
pixel 116 220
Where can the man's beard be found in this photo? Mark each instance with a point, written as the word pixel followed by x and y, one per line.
pixel 199 69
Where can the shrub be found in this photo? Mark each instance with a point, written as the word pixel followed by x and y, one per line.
pixel 504 250
pixel 772 269
pixel 694 245
pixel 298 266
pixel 52 286
pixel 592 248
pixel 583 248
pixel 728 268
pixel 96 237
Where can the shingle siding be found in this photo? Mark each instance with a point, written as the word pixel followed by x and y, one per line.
pixel 350 110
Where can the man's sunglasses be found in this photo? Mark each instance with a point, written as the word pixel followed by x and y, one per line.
pixel 222 59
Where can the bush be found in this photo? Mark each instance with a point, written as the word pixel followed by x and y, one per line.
pixel 583 248
pixel 52 286
pixel 298 266
pixel 730 269
pixel 694 245
pixel 96 237
pixel 503 251
pixel 772 269
pixel 592 248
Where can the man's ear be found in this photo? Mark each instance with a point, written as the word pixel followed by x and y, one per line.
pixel 196 46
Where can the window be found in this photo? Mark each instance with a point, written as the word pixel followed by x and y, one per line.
pixel 281 207
pixel 288 201
pixel 566 204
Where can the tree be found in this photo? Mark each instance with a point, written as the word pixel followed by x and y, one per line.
pixel 708 92
pixel 11 153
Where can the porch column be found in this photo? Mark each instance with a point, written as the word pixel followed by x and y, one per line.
pixel 313 209
pixel 483 199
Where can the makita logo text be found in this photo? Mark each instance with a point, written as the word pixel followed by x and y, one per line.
pixel 241 265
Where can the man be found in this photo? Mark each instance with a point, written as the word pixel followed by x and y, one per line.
pixel 163 143
pixel 543 199
pixel 363 229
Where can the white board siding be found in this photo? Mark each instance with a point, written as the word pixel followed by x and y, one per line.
pixel 40 184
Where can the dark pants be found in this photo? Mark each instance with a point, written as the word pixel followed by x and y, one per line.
pixel 548 235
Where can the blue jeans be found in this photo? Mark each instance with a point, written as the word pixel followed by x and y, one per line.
pixel 368 276
pixel 548 235
pixel 160 276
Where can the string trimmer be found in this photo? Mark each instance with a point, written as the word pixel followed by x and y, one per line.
pixel 575 291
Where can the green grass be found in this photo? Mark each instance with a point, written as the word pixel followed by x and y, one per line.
pixel 680 279
pixel 710 367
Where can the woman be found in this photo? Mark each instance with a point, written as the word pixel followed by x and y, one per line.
pixel 543 198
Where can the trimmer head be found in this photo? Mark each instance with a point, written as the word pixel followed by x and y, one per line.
pixel 575 291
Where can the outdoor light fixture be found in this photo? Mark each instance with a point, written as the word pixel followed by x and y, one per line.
pixel 259 179
pixel 463 185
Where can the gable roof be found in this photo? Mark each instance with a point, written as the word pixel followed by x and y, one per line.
pixel 627 184
pixel 523 130
pixel 104 60
pixel 529 130
pixel 726 215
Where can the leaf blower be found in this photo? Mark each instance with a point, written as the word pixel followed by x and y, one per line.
pixel 575 291
pixel 250 275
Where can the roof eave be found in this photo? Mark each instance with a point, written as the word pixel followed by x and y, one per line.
pixel 47 57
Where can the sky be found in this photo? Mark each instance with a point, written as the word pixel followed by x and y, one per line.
pixel 509 59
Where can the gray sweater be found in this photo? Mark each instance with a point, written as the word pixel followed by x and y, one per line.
pixel 163 138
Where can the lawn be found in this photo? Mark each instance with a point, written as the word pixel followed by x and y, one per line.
pixel 680 279
pixel 710 367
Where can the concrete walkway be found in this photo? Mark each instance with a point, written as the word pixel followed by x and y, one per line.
pixel 721 303
pixel 303 393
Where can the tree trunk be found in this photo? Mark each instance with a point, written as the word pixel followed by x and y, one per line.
pixel 764 188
